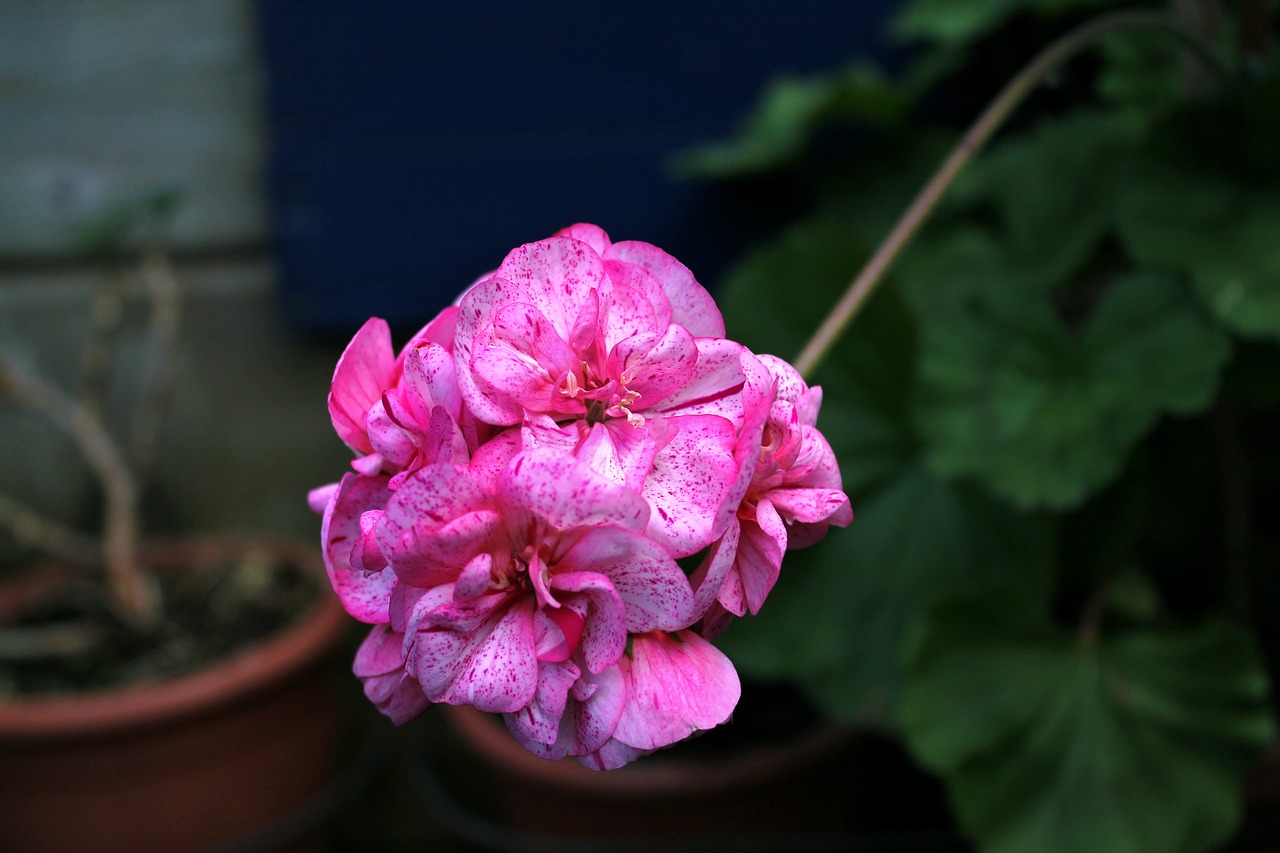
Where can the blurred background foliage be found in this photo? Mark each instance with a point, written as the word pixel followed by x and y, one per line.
pixel 1056 418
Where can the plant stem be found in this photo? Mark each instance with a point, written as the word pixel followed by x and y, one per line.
pixel 973 140
pixel 50 537
pixel 132 591
pixel 166 311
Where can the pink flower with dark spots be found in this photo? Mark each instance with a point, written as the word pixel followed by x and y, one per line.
pixel 528 470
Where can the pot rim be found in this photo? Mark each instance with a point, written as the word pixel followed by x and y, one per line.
pixel 298 646
pixel 497 747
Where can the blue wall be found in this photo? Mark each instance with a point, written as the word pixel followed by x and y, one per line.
pixel 414 143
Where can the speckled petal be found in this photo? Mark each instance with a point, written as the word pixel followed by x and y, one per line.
pixel 692 479
pixel 365 596
pixel 479 654
pixel 365 369
pixel 650 584
pixel 565 494
pixel 379 665
pixel 691 304
pixel 678 684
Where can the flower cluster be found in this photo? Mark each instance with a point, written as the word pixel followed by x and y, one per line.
pixel 529 470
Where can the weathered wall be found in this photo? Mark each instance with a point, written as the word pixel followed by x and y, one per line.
pixel 102 101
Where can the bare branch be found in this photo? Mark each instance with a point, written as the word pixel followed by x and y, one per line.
pixel 132 590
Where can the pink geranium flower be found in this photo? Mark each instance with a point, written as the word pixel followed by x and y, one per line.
pixel 527 471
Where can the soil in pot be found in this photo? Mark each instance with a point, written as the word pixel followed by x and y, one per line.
pixel 205 742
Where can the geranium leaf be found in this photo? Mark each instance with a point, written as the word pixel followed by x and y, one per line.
pixel 1048 741
pixel 1054 188
pixel 791 110
pixel 1203 202
pixel 836 621
pixel 1220 232
pixel 1045 416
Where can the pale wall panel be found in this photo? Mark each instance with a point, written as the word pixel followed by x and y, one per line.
pixel 104 100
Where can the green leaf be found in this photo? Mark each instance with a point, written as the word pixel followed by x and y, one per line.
pixel 1205 202
pixel 958 22
pixel 836 621
pixel 1051 743
pixel 1221 232
pixel 791 111
pixel 839 617
pixel 1045 417
pixel 1054 188
pixel 1143 69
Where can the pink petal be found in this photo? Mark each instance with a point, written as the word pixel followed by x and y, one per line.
pixel 624 452
pixel 537 724
pixel 598 700
pixel 439 331
pixel 318 499
pixel 559 630
pixel 638 305
pixel 491 457
pixel 760 555
pixel 709 578
pixel 651 586
pixel 604 616
pixel 691 305
pixel 479 654
pixel 388 434
pixel 593 235
pixel 654 366
pixel 611 756
pixel 565 494
pixel 475 579
pixel 443 441
pixel 557 276
pixel 474 337
pixel 379 665
pixel 692 482
pixel 437 520
pixel 716 385
pixel 678 684
pixel 428 381
pixel 526 359
pixel 427 556
pixel 812 505
pixel 365 369
pixel 791 386
pixel 365 596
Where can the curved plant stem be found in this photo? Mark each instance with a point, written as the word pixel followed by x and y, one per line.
pixel 978 134
pixel 132 591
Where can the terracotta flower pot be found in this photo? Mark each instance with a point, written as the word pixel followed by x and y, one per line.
pixel 181 764
pixel 825 788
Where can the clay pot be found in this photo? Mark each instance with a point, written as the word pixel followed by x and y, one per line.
pixel 826 788
pixel 198 760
